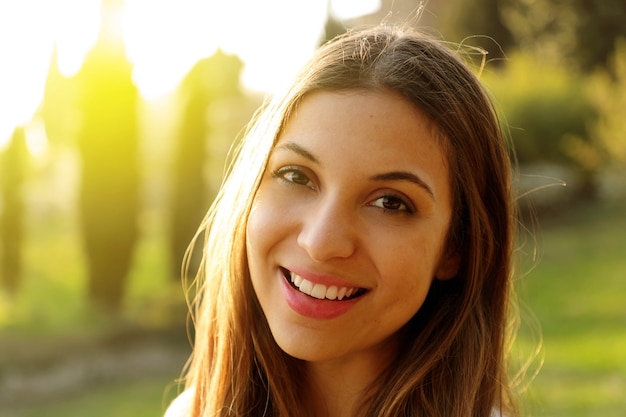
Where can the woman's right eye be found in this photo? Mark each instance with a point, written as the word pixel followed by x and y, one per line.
pixel 294 175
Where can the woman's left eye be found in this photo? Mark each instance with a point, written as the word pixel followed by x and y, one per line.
pixel 392 203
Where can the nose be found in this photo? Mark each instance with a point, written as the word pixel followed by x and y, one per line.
pixel 328 231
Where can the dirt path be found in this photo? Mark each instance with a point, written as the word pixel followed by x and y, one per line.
pixel 33 371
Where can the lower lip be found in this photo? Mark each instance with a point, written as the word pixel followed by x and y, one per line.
pixel 311 307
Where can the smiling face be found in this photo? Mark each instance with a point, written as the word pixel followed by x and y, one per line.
pixel 348 226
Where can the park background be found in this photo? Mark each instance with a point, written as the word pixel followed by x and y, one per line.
pixel 115 121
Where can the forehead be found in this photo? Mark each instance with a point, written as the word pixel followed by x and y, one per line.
pixel 379 118
pixel 367 130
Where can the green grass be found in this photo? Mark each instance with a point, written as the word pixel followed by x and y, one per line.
pixel 140 398
pixel 576 293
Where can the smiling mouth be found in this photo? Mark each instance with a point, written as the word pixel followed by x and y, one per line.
pixel 320 291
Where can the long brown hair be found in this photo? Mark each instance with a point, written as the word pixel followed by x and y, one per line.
pixel 453 360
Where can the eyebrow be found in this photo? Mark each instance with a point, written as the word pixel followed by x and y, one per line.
pixel 387 176
pixel 299 150
pixel 404 176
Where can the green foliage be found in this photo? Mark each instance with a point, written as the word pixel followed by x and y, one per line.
pixel 599 24
pixel 607 92
pixel 603 143
pixel 579 33
pixel 478 23
pixel 541 105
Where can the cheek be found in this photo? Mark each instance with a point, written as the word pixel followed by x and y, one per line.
pixel 263 229
pixel 417 249
pixel 409 269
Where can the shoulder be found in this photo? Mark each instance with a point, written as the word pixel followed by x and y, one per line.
pixel 181 406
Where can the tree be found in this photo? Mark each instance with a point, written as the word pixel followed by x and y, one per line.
pixel 109 191
pixel 581 32
pixel 543 107
pixel 480 24
pixel 607 144
pixel 211 80
pixel 12 174
pixel 608 95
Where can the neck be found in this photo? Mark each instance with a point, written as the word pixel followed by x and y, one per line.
pixel 335 392
pixel 338 387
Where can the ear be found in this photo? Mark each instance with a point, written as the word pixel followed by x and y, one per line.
pixel 448 266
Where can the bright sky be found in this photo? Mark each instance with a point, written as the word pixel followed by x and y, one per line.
pixel 164 38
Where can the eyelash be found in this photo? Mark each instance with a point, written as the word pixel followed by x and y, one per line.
pixel 407 210
pixel 283 172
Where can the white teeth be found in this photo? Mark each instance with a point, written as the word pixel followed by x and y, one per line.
pixel 331 293
pixel 321 291
pixel 306 287
pixel 341 293
pixel 296 279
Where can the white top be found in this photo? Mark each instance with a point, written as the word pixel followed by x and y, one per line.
pixel 181 406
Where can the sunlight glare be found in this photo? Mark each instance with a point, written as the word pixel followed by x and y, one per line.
pixel 165 38
pixel 36 138
pixel 29 30
pixel 274 38
pixel 76 32
pixel 26 49
pixel 348 9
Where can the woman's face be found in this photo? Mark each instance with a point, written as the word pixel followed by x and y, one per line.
pixel 348 227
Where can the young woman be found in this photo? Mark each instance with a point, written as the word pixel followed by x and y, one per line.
pixel 358 256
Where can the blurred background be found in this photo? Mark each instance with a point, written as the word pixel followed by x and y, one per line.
pixel 115 121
